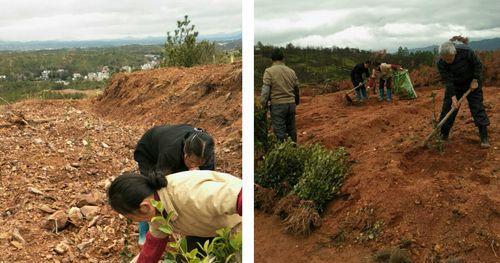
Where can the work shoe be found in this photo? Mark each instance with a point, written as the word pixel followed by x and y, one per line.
pixel 483 133
pixel 380 99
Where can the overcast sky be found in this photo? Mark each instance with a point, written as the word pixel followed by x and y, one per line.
pixel 373 24
pixel 26 20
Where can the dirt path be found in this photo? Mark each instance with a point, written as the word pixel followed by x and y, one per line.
pixel 442 204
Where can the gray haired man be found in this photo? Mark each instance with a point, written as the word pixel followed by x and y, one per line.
pixel 281 88
pixel 460 70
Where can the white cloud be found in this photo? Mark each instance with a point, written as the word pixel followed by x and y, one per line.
pixel 373 24
pixel 24 20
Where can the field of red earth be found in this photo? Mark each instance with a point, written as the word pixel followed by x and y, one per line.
pixel 60 155
pixel 437 205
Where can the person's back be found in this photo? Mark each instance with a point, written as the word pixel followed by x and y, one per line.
pixel 161 148
pixel 280 86
pixel 282 81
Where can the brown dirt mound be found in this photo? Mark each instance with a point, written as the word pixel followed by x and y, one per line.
pixel 443 204
pixel 208 97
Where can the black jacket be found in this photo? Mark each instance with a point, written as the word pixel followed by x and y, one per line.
pixel 357 73
pixel 161 148
pixel 459 74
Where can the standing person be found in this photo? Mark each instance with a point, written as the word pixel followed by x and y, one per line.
pixel 281 88
pixel 460 70
pixel 357 78
pixel 171 149
pixel 383 72
pixel 201 202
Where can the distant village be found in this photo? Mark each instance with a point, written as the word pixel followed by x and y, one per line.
pixel 63 76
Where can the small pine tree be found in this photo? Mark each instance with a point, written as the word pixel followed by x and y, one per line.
pixel 182 49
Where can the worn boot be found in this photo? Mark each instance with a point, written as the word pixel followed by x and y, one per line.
pixel 483 133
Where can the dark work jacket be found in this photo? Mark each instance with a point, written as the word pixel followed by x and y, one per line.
pixel 161 148
pixel 458 75
pixel 358 71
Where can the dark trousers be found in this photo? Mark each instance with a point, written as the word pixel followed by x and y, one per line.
pixel 283 121
pixel 476 107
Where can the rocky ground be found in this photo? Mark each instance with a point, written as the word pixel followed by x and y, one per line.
pixel 58 157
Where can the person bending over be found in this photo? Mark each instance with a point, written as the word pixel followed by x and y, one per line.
pixel 171 149
pixel 201 202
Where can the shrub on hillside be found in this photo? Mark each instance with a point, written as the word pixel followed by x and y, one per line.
pixel 281 167
pixel 323 175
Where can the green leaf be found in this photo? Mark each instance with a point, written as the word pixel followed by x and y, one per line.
pixel 166 229
pixel 158 205
pixel 159 219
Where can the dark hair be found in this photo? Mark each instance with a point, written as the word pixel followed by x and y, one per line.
pixel 200 144
pixel 128 190
pixel 277 54
pixel 368 62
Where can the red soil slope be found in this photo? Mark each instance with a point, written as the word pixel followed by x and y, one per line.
pixel 440 205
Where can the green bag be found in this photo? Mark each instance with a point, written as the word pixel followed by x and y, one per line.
pixel 402 85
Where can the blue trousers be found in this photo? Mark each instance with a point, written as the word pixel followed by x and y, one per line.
pixel 388 85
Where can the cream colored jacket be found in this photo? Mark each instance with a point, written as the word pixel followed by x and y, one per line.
pixel 202 202
pixel 385 72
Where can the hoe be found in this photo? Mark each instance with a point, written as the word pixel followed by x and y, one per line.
pixel 347 97
pixel 438 126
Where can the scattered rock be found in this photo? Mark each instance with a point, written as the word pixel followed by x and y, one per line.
pixel 57 221
pixel 35 191
pixel 16 235
pixel 47 209
pixel 93 222
pixel 61 248
pixel 93 198
pixel 104 145
pixel 90 211
pixel 17 244
pixel 84 244
pixel 76 165
pixel 75 215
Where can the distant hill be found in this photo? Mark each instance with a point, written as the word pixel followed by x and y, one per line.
pixel 231 39
pixel 483 45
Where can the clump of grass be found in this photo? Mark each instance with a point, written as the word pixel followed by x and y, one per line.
pixel 303 219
